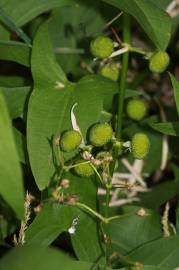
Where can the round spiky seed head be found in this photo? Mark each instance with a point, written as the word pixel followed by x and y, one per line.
pixel 159 61
pixel 140 145
pixel 84 169
pixel 101 47
pixel 104 156
pixel 100 134
pixel 70 140
pixel 110 71
pixel 136 109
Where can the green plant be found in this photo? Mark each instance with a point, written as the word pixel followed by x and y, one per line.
pixel 100 134
pixel 70 140
pixel 140 145
pixel 101 47
pixel 76 171
pixel 110 71
pixel 83 168
pixel 136 109
pixel 159 61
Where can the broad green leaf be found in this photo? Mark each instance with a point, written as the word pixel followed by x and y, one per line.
pixel 175 85
pixel 86 239
pixel 51 222
pixel 51 102
pixel 49 108
pixel 167 128
pixel 24 13
pixel 163 4
pixel 11 81
pixel 11 183
pixel 15 51
pixel 155 22
pixel 11 25
pixel 159 194
pixel 16 98
pixel 162 252
pixel 36 258
pixel 131 230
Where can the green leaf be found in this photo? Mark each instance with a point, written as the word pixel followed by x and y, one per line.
pixel 160 194
pixel 20 143
pixel 163 4
pixel 51 222
pixel 36 258
pixel 175 85
pixel 11 25
pixel 155 22
pixel 167 128
pixel 11 81
pixel 50 106
pixel 162 252
pixel 16 99
pixel 130 230
pixel 24 13
pixel 11 184
pixel 15 51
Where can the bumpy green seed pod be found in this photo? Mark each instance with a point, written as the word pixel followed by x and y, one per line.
pixel 110 71
pixel 102 47
pixel 136 109
pixel 103 154
pixel 140 145
pixel 159 61
pixel 70 140
pixel 100 134
pixel 84 169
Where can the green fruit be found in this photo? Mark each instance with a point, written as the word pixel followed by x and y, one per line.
pixel 159 61
pixel 102 155
pixel 70 140
pixel 140 145
pixel 136 109
pixel 102 47
pixel 100 134
pixel 110 71
pixel 84 169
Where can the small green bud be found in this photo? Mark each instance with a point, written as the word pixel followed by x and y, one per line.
pixel 102 155
pixel 136 109
pixel 102 47
pixel 117 148
pixel 159 61
pixel 110 71
pixel 84 169
pixel 140 145
pixel 70 140
pixel 100 134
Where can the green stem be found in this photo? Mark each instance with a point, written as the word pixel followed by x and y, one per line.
pixel 122 87
pixel 107 202
pixel 67 168
pixel 93 212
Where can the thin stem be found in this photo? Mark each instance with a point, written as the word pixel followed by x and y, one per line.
pixel 122 87
pixel 75 165
pixel 97 173
pixel 93 212
pixel 107 202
